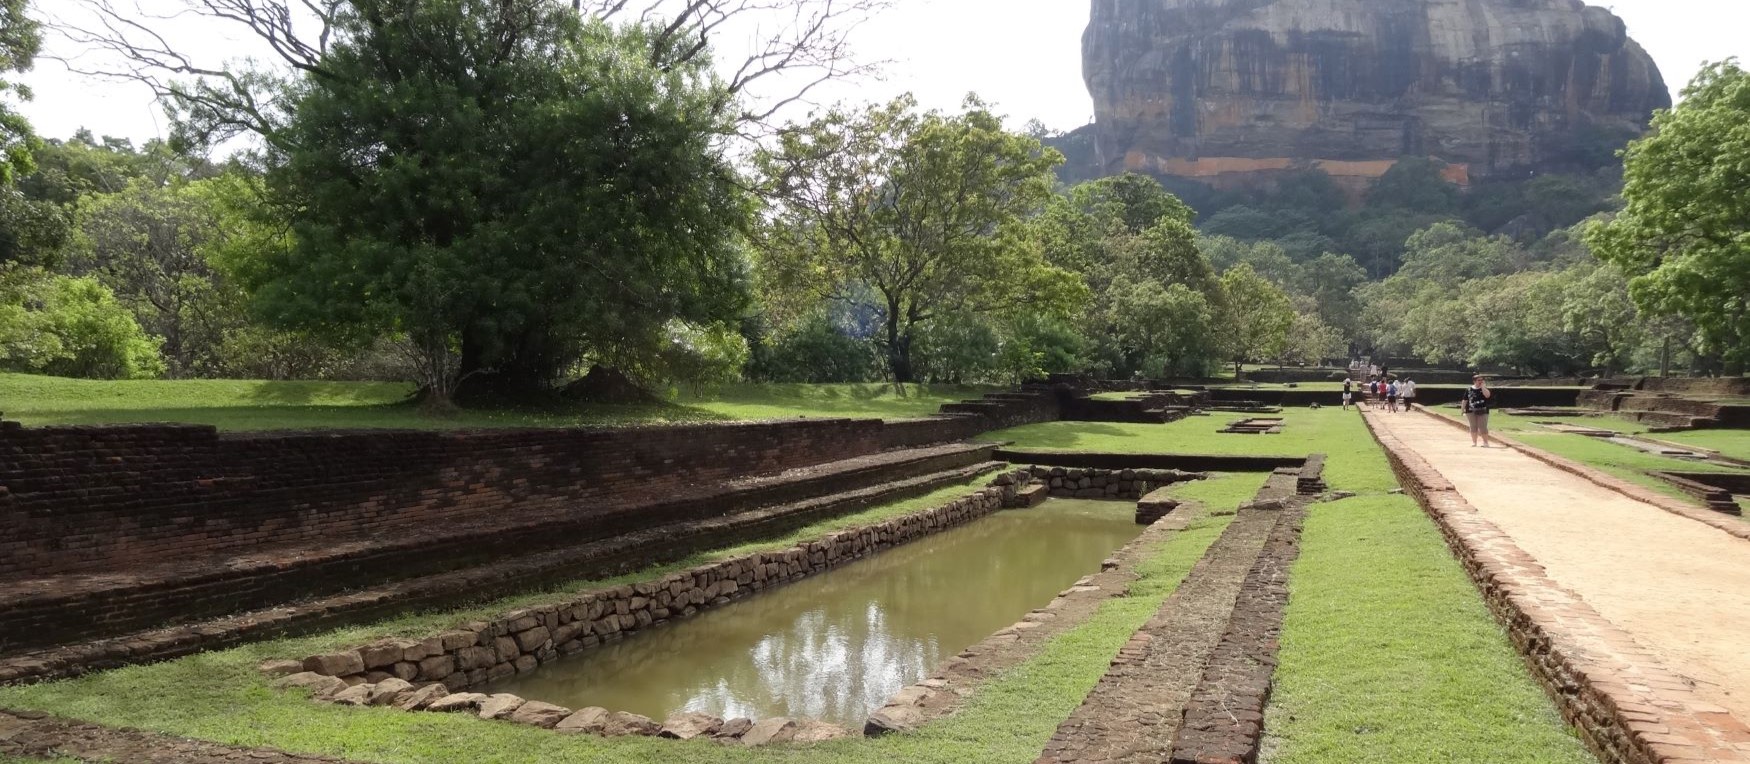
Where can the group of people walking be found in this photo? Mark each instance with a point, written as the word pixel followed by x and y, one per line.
pixel 1392 391
pixel 1477 401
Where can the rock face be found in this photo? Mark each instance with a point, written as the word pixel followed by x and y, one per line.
pixel 1225 90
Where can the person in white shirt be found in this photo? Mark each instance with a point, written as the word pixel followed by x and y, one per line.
pixel 1408 392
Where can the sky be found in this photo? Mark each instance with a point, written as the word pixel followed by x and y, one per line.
pixel 1022 55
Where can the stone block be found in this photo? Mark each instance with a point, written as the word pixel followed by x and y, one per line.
pixel 537 714
pixel 500 705
pixel 777 729
pixel 356 695
pixel 622 724
pixel 471 658
pixel 336 664
pixel 456 640
pixel 422 698
pixel 457 702
pixel 507 649
pixel 590 720
pixel 690 725
pixel 436 667
pixel 385 654
pixel 383 693
pixel 897 718
pixel 733 729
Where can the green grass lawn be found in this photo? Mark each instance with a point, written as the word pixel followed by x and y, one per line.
pixel 219 696
pixel 257 405
pixel 1338 434
pixel 1732 443
pixel 1388 654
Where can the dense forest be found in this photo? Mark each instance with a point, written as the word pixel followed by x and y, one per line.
pixel 579 194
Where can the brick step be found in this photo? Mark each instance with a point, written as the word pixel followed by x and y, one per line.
pixel 1667 405
pixel 596 559
pixel 1135 711
pixel 1660 420
pixel 145 597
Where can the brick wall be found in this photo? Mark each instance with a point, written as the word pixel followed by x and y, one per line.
pixel 105 498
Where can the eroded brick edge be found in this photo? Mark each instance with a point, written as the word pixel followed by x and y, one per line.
pixel 1224 721
pixel 1627 707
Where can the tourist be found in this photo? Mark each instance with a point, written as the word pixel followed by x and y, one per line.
pixel 1348 392
pixel 1391 397
pixel 1476 402
pixel 1408 392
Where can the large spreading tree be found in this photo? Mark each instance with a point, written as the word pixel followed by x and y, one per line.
pixel 1684 237
pixel 922 214
pixel 511 187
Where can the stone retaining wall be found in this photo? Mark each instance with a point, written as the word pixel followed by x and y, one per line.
pixel 1186 462
pixel 438 670
pixel 1099 483
pixel 77 499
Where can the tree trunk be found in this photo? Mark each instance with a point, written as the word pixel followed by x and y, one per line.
pixel 898 346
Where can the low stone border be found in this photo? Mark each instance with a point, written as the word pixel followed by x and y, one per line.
pixel 434 674
pixel 1139 707
pixel 39 735
pixel 1187 462
pixel 1734 527
pixel 1224 722
pixel 1628 708
pixel 1099 483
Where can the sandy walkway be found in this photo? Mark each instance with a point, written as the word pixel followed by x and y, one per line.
pixel 1680 588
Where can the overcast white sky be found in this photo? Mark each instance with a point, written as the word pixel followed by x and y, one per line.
pixel 1024 55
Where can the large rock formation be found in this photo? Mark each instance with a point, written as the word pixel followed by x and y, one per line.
pixel 1223 90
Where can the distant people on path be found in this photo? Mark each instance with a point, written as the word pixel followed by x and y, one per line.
pixel 1407 391
pixel 1477 399
pixel 1391 397
pixel 1348 392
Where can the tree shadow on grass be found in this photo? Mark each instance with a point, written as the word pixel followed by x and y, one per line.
pixel 303 393
pixel 1061 436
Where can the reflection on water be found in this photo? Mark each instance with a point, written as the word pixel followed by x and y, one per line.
pixel 836 646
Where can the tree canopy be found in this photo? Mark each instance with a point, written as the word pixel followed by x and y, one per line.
pixel 513 189
pixel 1684 236
pixel 922 214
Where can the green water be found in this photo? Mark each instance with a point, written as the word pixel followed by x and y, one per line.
pixel 838 645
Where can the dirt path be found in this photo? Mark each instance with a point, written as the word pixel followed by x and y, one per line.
pixel 1680 588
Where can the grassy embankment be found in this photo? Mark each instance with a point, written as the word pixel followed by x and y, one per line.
pixel 256 405
pixel 1388 654
pixel 219 696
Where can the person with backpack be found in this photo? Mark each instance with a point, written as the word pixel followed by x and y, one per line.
pixel 1477 400
pixel 1391 396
